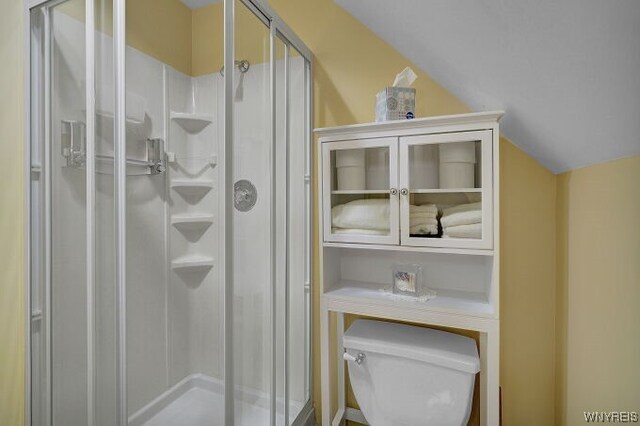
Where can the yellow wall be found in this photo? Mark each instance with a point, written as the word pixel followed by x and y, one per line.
pixel 160 28
pixel 598 290
pixel 11 213
pixel 527 288
pixel 351 65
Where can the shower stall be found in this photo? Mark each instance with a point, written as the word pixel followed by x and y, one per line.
pixel 169 201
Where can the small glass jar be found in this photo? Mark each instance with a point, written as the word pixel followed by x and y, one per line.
pixel 407 280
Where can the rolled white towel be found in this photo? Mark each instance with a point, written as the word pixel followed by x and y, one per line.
pixel 357 231
pixel 464 231
pixel 424 229
pixel 462 218
pixel 461 208
pixel 361 214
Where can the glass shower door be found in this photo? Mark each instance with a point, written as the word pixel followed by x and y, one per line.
pixel 253 235
pixel 170 215
pixel 269 282
pixel 72 211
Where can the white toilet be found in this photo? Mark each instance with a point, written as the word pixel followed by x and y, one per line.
pixel 410 376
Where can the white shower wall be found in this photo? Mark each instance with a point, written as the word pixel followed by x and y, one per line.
pixel 174 319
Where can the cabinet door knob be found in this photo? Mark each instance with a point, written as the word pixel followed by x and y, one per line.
pixel 404 191
pixel 393 191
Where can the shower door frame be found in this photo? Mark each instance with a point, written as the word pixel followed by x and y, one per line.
pixel 278 30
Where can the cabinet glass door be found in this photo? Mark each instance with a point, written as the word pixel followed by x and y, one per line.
pixel 446 190
pixel 360 186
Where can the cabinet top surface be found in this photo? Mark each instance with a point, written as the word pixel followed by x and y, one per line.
pixel 442 120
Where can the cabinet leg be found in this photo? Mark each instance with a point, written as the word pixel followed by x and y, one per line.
pixel 340 364
pixel 490 378
pixel 325 374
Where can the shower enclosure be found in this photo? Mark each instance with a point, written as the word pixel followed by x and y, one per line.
pixel 169 201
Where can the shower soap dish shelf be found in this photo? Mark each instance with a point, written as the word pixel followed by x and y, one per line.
pixel 173 158
pixel 185 185
pixel 193 219
pixel 191 122
pixel 192 262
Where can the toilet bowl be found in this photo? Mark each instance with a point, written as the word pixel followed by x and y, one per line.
pixel 410 376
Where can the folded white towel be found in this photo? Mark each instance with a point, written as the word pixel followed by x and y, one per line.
pixel 424 229
pixel 424 208
pixel 461 208
pixel 425 215
pixel 360 231
pixel 462 218
pixel 362 214
pixel 464 231
pixel 423 221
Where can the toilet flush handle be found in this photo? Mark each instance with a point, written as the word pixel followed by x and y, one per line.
pixel 358 359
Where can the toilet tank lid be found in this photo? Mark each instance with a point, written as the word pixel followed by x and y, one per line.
pixel 423 344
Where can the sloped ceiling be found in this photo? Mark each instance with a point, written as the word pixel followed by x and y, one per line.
pixel 567 72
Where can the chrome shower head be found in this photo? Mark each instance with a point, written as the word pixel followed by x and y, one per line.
pixel 243 65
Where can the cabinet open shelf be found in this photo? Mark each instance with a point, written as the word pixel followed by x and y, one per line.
pixel 444 191
pixel 191 122
pixel 192 262
pixel 410 249
pixel 449 301
pixel 359 191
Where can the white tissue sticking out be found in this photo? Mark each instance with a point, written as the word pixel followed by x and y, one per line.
pixel 405 78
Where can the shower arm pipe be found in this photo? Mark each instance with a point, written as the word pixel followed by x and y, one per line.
pixel 243 66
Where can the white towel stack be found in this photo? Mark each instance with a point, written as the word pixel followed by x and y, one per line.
pixel 366 217
pixel 462 221
pixel 423 219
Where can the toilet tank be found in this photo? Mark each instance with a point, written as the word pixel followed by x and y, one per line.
pixel 410 376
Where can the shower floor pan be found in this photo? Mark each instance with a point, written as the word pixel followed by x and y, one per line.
pixel 198 400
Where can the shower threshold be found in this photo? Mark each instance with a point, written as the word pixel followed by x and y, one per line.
pixel 198 400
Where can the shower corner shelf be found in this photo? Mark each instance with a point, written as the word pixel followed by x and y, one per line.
pixel 191 122
pixel 192 262
pixel 192 219
pixel 184 185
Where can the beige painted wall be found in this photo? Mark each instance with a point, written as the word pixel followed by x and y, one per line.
pixel 351 64
pixel 160 28
pixel 598 326
pixel 527 288
pixel 11 212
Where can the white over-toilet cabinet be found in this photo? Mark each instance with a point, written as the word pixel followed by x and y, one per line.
pixel 444 161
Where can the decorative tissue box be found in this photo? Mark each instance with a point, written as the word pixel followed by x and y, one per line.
pixel 407 280
pixel 395 103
